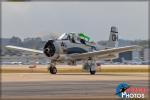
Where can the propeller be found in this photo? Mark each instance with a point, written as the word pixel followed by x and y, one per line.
pixel 49 48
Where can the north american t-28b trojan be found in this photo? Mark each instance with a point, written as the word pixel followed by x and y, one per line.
pixel 73 47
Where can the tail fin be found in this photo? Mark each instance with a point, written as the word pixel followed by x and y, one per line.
pixel 113 38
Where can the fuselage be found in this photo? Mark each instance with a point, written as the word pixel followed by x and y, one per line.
pixel 67 44
pixel 67 47
pixel 56 48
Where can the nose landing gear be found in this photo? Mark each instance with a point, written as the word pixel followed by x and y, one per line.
pixel 52 69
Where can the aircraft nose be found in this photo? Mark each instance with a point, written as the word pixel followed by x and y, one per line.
pixel 49 48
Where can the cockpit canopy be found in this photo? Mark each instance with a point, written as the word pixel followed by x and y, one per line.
pixel 76 37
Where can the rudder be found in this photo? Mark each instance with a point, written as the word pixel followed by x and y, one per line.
pixel 113 38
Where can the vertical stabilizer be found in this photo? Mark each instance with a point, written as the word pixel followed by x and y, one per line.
pixel 113 38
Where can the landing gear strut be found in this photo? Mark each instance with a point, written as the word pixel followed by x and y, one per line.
pixel 90 66
pixel 52 69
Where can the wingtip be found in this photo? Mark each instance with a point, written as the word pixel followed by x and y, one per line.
pixel 8 46
pixel 138 47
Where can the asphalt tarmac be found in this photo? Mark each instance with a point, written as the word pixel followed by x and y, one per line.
pixel 67 86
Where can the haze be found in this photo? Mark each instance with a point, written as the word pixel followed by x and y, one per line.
pixel 39 19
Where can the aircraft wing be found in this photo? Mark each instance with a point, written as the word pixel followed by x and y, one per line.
pixel 106 53
pixel 24 49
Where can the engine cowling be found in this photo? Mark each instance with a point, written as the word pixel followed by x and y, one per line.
pixel 49 48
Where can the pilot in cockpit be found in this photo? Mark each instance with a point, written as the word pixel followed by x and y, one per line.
pixel 75 38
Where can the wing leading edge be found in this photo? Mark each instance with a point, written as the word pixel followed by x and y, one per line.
pixel 104 53
pixel 24 49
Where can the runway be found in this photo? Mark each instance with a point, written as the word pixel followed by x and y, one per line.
pixel 23 86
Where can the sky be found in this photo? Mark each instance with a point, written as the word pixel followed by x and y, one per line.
pixel 40 19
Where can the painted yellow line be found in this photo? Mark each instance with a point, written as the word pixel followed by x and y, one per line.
pixel 73 69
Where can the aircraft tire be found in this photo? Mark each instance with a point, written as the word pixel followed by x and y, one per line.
pixel 92 72
pixel 52 69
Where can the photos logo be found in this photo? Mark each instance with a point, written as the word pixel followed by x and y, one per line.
pixel 125 91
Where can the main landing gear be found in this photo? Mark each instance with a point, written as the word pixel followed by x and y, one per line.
pixel 92 72
pixel 90 66
pixel 52 69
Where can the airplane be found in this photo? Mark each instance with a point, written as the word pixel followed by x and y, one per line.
pixel 73 47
